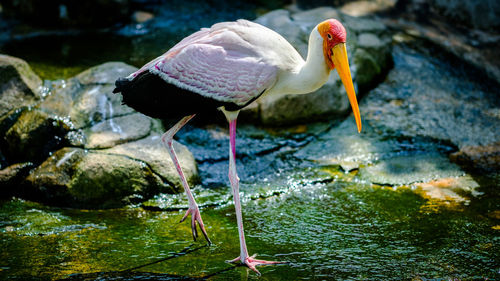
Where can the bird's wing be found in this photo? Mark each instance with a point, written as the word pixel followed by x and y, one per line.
pixel 216 63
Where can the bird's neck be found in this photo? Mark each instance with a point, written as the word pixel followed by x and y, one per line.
pixel 314 72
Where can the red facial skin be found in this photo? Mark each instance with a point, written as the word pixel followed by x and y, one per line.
pixel 333 33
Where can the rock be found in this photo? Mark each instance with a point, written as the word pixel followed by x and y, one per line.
pixel 369 58
pixel 313 4
pixel 34 136
pixel 77 177
pixel 114 177
pixel 50 181
pixel 452 189
pixel 363 7
pixel 142 16
pixel 484 14
pixel 105 73
pixel 85 105
pixel 116 157
pixel 342 146
pixel 477 48
pixel 408 169
pixel 19 85
pixel 11 176
pixel 426 109
pixel 112 180
pixel 439 99
pixel 279 20
pixel 151 150
pixel 114 131
pixel 484 157
pixel 329 100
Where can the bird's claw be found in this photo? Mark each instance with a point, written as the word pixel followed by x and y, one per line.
pixel 196 217
pixel 251 262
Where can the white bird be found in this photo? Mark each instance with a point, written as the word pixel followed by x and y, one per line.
pixel 228 66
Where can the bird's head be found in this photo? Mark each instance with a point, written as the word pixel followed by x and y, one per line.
pixel 335 53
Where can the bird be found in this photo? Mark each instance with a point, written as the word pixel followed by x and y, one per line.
pixel 228 66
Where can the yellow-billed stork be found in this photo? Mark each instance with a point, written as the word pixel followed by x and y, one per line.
pixel 228 66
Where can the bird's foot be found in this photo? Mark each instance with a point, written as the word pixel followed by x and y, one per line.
pixel 196 217
pixel 251 262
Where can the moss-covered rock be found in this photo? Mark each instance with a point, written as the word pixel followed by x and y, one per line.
pixel 77 177
pixel 34 136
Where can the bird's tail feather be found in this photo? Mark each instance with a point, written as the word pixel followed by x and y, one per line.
pixel 121 85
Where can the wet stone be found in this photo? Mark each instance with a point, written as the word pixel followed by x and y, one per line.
pixel 431 97
pixel 10 177
pixel 50 181
pixel 102 180
pixel 34 136
pixel 450 189
pixel 85 105
pixel 410 169
pixel 97 103
pixel 106 73
pixel 343 146
pixel 152 151
pixel 114 131
pixel 19 85
pixel 77 177
pixel 120 158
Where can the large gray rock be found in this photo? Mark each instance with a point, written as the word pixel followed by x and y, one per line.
pixel 484 14
pixel 423 112
pixel 102 153
pixel 114 131
pixel 76 177
pixel 432 98
pixel 19 85
pixel 124 174
pixel 151 150
pixel 369 53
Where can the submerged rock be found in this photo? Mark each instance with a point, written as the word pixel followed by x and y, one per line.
pixel 368 45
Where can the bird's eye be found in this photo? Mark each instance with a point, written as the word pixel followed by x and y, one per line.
pixel 329 36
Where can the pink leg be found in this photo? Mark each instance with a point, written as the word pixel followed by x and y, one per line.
pixel 167 139
pixel 251 262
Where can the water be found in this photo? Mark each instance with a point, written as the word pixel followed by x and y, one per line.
pixel 342 230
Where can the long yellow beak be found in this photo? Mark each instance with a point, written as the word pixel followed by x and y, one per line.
pixel 341 63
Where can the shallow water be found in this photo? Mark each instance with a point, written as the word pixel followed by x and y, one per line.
pixel 342 229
